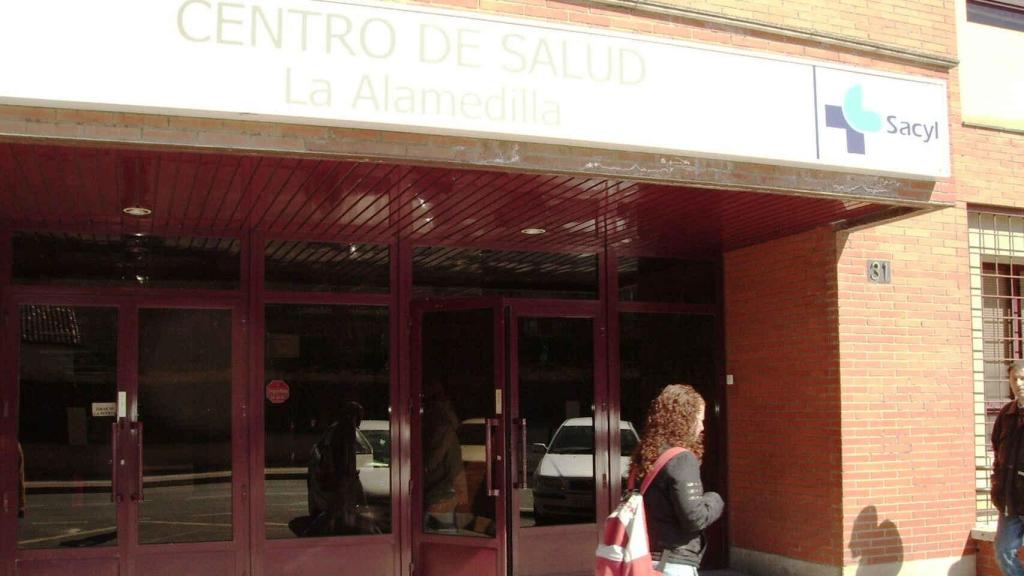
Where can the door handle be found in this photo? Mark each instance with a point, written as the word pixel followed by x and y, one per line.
pixel 139 494
pixel 521 473
pixel 113 461
pixel 488 455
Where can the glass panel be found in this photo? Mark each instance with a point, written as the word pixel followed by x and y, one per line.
pixel 327 427
pixel 458 397
pixel 661 349
pixel 325 267
pixel 556 396
pixel 67 376
pixel 185 406
pixel 469 272
pixel 666 280
pixel 89 260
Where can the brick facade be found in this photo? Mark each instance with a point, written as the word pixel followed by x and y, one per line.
pixel 784 409
pixel 905 353
pixel 851 420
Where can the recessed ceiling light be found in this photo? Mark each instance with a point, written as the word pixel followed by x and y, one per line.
pixel 533 231
pixel 137 211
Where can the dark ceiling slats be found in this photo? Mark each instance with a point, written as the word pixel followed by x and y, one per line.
pixel 439 210
pixel 567 210
pixel 372 205
pixel 220 195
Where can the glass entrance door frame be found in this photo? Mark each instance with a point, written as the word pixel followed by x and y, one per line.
pixel 545 541
pixel 127 483
pixel 495 479
pixel 510 452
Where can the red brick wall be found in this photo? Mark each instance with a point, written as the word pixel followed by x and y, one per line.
pixel 784 408
pixel 907 411
pixel 986 561
pixel 850 423
pixel 986 162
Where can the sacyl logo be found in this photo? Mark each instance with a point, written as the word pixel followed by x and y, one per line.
pixel 853 118
pixel 857 121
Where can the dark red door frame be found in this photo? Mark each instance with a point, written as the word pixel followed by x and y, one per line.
pixel 592 310
pixel 8 427
pixel 417 309
pixel 259 298
pixel 717 406
pixel 128 302
pixel 248 351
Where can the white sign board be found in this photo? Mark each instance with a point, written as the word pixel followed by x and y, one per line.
pixel 104 409
pixel 409 68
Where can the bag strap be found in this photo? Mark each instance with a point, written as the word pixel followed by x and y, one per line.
pixel 658 465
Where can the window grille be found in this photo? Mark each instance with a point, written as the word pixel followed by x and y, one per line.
pixel 997 275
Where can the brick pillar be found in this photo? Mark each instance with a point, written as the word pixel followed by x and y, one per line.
pixel 907 405
pixel 784 410
pixel 851 417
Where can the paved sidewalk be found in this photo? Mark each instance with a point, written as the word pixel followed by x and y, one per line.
pixel 721 573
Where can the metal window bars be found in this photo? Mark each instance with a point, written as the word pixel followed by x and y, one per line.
pixel 997 270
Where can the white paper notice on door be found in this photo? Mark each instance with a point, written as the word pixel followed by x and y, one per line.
pixel 104 409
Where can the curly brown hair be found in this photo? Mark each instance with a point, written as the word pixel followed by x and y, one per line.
pixel 672 420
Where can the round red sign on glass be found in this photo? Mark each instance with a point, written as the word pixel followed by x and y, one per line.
pixel 277 391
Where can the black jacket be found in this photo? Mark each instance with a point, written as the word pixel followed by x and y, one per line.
pixel 1007 470
pixel 678 510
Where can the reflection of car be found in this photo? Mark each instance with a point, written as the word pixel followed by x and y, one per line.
pixel 471 435
pixel 375 473
pixel 563 483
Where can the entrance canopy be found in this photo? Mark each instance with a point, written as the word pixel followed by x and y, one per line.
pixel 85 189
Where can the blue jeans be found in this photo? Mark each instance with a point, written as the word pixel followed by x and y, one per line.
pixel 1009 535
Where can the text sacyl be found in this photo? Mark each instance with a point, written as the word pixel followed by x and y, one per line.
pixel 926 132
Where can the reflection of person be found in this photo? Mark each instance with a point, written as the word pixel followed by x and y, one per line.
pixel 1007 479
pixel 338 492
pixel 444 478
pixel 678 509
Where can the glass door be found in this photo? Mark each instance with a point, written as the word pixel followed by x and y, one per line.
pixel 559 471
pixel 458 373
pixel 69 517
pixel 510 458
pixel 184 438
pixel 128 438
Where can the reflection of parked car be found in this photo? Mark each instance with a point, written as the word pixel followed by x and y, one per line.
pixel 471 433
pixel 375 472
pixel 563 484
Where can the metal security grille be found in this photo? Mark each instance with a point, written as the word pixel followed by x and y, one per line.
pixel 997 270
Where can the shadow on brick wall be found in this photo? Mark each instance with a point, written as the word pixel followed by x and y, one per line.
pixel 876 545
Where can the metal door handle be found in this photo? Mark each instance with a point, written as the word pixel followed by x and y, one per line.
pixel 139 494
pixel 521 476
pixel 488 452
pixel 114 456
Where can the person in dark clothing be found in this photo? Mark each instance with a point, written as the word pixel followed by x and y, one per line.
pixel 335 491
pixel 1008 475
pixel 677 507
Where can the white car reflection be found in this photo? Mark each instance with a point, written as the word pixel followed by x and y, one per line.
pixel 375 471
pixel 563 483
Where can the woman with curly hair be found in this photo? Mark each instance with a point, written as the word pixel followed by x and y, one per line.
pixel 677 507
